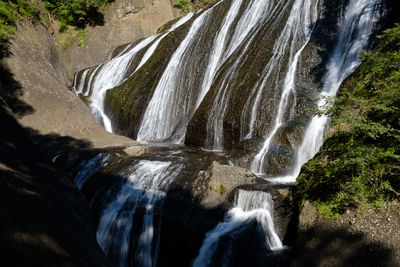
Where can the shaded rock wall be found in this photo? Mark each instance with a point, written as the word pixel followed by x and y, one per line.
pixel 44 220
pixel 366 237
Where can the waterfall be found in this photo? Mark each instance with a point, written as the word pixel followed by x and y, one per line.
pixel 114 72
pixel 253 18
pixel 169 107
pixel 355 30
pixel 172 106
pixel 78 87
pixel 249 206
pixel 216 57
pixel 218 49
pixel 140 190
pixel 163 111
pixel 299 26
pixel 89 167
pixel 107 76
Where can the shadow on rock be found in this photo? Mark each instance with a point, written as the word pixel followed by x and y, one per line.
pixel 10 89
pixel 324 246
pixel 44 220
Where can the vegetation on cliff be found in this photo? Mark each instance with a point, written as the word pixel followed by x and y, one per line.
pixel 187 6
pixel 183 5
pixel 10 12
pixel 360 161
pixel 76 12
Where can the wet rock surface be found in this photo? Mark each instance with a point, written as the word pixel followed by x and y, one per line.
pixel 196 201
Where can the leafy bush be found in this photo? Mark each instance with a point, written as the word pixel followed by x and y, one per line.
pixel 10 12
pixel 25 9
pixel 7 21
pixel 76 12
pixel 183 5
pixel 360 161
pixel 74 36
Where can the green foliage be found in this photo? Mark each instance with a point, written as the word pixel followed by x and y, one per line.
pixel 183 5
pixel 10 12
pixel 81 37
pixel 7 21
pixel 25 9
pixel 361 157
pixel 74 36
pixel 76 12
pixel 222 189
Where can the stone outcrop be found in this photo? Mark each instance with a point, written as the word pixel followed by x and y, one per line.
pixel 215 185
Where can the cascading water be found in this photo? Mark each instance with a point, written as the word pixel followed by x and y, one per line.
pixel 249 206
pixel 256 14
pixel 301 19
pixel 171 107
pixel 163 112
pixel 89 167
pixel 355 29
pixel 293 33
pixel 114 72
pixel 217 51
pixel 204 76
pixel 140 190
pixel 107 76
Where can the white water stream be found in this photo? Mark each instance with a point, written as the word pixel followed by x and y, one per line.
pixel 114 72
pixel 144 189
pixel 253 18
pixel 298 28
pixel 249 206
pixel 355 30
pixel 173 105
pixel 163 112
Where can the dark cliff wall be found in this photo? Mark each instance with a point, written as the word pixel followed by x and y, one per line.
pixel 44 220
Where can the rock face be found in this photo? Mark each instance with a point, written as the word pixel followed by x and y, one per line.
pixel 50 108
pixel 214 186
pixel 363 237
pixel 194 206
pixel 124 22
